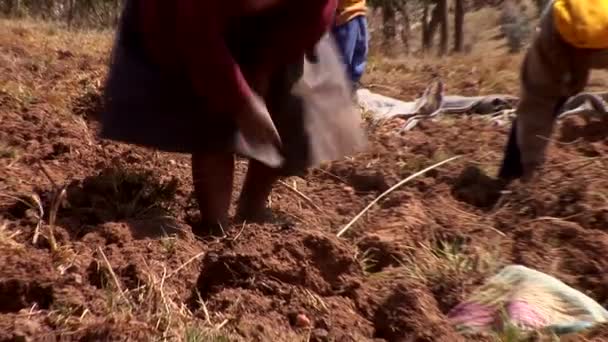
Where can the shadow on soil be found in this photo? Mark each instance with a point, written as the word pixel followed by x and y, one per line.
pixel 135 197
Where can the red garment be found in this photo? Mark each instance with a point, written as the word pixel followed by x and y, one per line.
pixel 190 34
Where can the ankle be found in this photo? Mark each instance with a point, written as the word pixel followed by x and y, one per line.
pixel 205 228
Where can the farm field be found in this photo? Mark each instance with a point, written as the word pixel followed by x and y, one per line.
pixel 112 257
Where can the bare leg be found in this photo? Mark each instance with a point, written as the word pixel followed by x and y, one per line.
pixel 256 189
pixel 213 175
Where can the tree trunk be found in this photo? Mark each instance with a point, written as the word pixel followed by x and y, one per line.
pixel 71 8
pixel 426 37
pixel 427 40
pixel 459 26
pixel 47 11
pixel 405 30
pixel 443 21
pixel 388 23
pixel 17 9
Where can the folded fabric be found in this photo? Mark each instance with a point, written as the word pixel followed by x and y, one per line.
pixel 528 299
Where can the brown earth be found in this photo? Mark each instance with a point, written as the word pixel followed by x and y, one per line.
pixel 125 266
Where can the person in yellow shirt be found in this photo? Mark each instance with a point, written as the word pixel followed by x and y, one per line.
pixel 571 41
pixel 351 35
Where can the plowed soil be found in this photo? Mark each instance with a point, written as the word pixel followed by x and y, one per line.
pixel 124 264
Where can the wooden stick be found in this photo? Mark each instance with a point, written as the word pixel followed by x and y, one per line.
pixel 174 272
pixel 343 230
pixel 301 195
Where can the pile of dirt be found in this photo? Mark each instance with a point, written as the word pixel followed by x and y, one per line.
pixel 123 261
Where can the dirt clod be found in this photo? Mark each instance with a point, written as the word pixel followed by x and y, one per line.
pixel 474 187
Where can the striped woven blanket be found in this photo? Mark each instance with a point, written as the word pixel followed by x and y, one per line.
pixel 528 299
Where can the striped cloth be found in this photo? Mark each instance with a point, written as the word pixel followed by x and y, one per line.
pixel 528 299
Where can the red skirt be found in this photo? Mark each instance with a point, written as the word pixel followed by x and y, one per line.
pixel 310 104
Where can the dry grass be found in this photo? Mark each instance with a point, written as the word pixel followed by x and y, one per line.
pixel 366 260
pixel 126 193
pixel 469 75
pixel 150 304
pixel 487 67
pixel 156 307
pixel 433 263
pixel 7 237
pixel 37 62
pixel 48 67
pixel 32 51
pixel 7 152
pixel 512 333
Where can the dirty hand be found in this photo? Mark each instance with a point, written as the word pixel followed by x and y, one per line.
pixel 257 134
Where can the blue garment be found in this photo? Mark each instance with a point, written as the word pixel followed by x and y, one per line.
pixel 352 40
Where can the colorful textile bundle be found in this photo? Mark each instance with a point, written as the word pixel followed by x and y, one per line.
pixel 528 299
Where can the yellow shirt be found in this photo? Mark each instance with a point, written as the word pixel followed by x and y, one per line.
pixel 582 23
pixel 349 9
